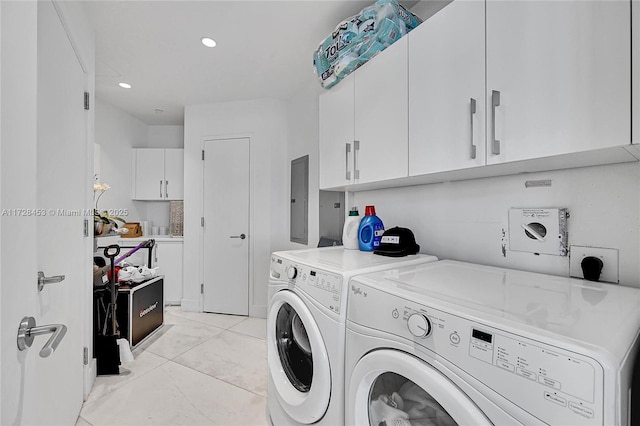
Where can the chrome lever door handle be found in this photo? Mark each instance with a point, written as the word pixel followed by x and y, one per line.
pixel 28 330
pixel 42 280
pixel 241 236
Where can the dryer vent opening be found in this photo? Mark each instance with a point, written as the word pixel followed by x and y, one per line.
pixel 294 348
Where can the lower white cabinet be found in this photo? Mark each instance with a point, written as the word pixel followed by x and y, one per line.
pixel 169 263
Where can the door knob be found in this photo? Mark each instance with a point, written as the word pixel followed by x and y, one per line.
pixel 28 330
pixel 42 280
pixel 241 236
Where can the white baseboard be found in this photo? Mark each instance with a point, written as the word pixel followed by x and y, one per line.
pixel 258 311
pixel 191 305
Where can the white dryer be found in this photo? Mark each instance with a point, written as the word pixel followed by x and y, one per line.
pixel 456 343
pixel 306 328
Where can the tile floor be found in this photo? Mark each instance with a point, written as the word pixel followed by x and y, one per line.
pixel 198 369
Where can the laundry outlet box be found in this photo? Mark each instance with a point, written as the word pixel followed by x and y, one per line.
pixel 538 230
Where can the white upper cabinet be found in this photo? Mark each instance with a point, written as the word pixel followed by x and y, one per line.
pixel 174 174
pixel 336 134
pixel 381 116
pixel 487 89
pixel 148 174
pixel 363 122
pixel 562 70
pixel 447 90
pixel 158 174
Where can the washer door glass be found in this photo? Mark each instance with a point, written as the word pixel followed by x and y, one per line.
pixel 397 389
pixel 299 370
pixel 396 400
pixel 294 348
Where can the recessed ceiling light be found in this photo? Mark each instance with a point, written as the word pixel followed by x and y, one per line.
pixel 209 42
pixel 124 85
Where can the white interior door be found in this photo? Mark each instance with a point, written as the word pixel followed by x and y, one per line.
pixel 39 390
pixel 226 226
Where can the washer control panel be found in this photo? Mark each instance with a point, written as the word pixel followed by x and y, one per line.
pixel 323 287
pixel 551 382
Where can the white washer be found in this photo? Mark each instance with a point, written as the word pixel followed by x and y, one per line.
pixel 458 343
pixel 305 330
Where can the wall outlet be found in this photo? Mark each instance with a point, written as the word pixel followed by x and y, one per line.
pixel 608 256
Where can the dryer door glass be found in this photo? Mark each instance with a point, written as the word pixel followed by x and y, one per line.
pixel 396 400
pixel 294 348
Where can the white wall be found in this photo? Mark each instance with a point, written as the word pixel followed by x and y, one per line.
pixel 116 132
pixel 165 136
pixel 464 220
pixel 303 133
pixel 264 121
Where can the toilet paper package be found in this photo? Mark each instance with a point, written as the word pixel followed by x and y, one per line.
pixel 359 38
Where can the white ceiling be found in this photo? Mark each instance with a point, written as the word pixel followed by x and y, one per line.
pixel 264 49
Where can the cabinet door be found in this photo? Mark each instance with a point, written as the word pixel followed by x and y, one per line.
pixel 446 90
pixel 173 174
pixel 562 70
pixel 336 134
pixel 169 262
pixel 381 116
pixel 149 174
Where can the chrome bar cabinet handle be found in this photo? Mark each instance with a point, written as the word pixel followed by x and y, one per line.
pixel 356 148
pixel 346 161
pixel 472 110
pixel 495 102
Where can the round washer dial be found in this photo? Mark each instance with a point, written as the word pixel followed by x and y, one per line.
pixel 419 325
pixel 292 272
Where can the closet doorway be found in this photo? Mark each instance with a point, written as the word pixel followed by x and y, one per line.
pixel 226 226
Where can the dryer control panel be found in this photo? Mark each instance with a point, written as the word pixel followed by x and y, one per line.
pixel 547 378
pixel 323 287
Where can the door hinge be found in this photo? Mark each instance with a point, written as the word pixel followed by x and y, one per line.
pixel 85 355
pixel 202 288
pixel 86 227
pixel 86 100
pixel 203 155
pixel 202 221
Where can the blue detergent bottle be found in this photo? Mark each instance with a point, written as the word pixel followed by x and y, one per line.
pixel 370 230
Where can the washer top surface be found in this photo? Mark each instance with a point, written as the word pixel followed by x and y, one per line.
pixel 604 315
pixel 340 260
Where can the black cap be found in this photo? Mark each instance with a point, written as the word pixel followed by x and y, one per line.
pixel 397 242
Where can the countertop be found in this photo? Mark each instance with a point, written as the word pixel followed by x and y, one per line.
pixel 105 240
